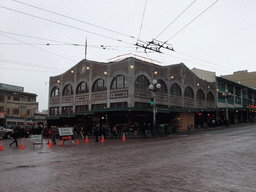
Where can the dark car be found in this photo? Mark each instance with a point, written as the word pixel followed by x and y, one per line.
pixel 5 132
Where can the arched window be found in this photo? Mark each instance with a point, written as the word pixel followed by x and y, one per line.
pixel 141 82
pixel 189 92
pixel 200 94
pixel 55 92
pixel 99 85
pixel 68 90
pixel 175 89
pixel 82 88
pixel 119 82
pixel 210 97
pixel 163 88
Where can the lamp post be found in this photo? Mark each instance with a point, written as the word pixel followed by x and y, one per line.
pixel 153 87
pixel 226 95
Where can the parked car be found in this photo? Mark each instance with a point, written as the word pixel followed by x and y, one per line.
pixel 5 132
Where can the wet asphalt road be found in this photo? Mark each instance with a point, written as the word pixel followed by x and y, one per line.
pixel 217 160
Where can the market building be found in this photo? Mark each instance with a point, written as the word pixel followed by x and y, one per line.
pixel 16 106
pixel 117 93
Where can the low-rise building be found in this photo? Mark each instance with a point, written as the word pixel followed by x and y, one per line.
pixel 18 107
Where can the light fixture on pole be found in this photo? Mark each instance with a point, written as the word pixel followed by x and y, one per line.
pixel 154 87
pixel 226 95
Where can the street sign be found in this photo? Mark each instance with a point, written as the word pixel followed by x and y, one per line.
pixel 65 131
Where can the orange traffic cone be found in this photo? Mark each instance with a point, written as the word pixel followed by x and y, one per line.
pixel 1 145
pixel 22 144
pixel 102 138
pixel 77 142
pixel 50 143
pixel 123 137
pixel 60 143
pixel 86 140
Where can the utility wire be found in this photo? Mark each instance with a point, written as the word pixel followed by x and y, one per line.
pixel 142 19
pixel 38 48
pixel 63 24
pixel 73 18
pixel 176 18
pixel 192 21
pixel 30 64
pixel 37 38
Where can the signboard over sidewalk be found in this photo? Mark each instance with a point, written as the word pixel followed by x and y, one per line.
pixel 65 131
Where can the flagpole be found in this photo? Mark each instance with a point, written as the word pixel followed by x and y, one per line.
pixel 85 51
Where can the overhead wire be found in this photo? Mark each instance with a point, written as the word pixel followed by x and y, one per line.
pixel 37 38
pixel 30 64
pixel 62 15
pixel 192 21
pixel 176 18
pixel 142 19
pixel 119 40
pixel 38 47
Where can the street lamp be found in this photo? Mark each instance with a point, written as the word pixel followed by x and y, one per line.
pixel 226 95
pixel 154 87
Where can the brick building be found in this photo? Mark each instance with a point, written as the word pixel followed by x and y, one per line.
pixel 118 92
pixel 19 107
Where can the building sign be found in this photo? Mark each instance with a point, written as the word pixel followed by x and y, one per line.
pixel 11 87
pixel 252 106
pixel 36 138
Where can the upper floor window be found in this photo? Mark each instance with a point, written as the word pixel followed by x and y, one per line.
pixel 119 82
pixel 221 86
pixel 68 90
pixel 82 88
pixel 200 94
pixel 189 92
pixel 1 98
pixel 175 89
pixel 55 92
pixel 16 98
pixel 210 97
pixel 163 88
pixel 99 85
pixel 142 82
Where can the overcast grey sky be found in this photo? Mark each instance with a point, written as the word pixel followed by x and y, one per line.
pixel 48 37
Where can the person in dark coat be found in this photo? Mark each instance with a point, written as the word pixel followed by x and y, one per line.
pixel 15 135
pixel 96 132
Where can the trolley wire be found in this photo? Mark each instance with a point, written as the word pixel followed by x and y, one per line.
pixel 62 15
pixel 176 18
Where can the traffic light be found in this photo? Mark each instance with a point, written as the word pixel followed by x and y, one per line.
pixel 152 102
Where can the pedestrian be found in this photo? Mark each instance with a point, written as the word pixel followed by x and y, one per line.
pixel 114 131
pixel 135 128
pixel 50 135
pixel 96 132
pixel 74 131
pixel 15 135
pixel 104 130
